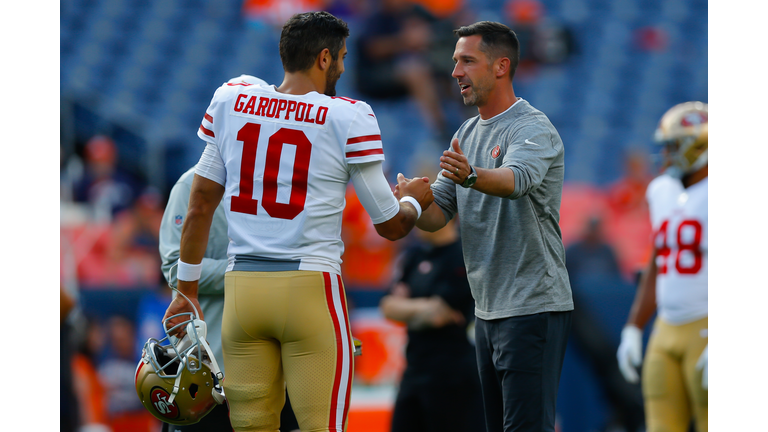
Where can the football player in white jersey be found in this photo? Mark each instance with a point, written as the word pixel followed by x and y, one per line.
pixel 281 159
pixel 210 286
pixel 674 373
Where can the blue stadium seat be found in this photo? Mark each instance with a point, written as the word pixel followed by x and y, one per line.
pixel 675 10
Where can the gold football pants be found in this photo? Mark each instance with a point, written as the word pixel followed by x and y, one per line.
pixel 671 384
pixel 286 328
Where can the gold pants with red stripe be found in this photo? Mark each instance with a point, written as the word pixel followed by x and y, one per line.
pixel 671 383
pixel 286 328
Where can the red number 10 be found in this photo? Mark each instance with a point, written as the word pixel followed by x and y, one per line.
pixel 245 202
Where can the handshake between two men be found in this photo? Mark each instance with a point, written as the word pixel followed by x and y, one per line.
pixel 455 167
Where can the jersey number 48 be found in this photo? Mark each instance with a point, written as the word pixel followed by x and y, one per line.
pixel 691 246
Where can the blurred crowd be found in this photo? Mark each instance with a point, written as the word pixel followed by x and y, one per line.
pixel 110 252
pixel 113 292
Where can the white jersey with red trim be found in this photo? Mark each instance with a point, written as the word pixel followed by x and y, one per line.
pixel 680 222
pixel 287 161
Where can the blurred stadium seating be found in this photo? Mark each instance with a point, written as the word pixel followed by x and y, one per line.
pixel 150 68
pixel 144 71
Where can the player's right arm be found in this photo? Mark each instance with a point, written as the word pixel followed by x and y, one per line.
pixel 432 218
pixel 393 220
pixel 644 305
pixel 407 216
pixel 212 278
pixel 629 354
pixel 203 200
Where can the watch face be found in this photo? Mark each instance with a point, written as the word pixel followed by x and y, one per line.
pixel 470 181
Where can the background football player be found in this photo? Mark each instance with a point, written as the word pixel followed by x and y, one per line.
pixel 674 374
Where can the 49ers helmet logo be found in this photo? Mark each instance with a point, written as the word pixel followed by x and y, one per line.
pixel 495 152
pixel 694 119
pixel 159 399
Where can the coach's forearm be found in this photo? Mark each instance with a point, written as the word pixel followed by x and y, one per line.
pixel 498 182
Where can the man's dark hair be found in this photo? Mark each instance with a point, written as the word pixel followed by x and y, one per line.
pixel 498 41
pixel 306 34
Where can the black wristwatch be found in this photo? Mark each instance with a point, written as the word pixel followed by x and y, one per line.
pixel 471 178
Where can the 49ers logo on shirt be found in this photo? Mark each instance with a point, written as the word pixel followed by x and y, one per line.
pixel 496 152
pixel 159 399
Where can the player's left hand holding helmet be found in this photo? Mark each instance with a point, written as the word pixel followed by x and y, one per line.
pixel 684 130
pixel 179 382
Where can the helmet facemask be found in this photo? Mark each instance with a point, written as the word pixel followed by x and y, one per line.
pixel 178 379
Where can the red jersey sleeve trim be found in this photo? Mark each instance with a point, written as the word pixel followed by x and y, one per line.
pixel 365 153
pixel 364 139
pixel 207 131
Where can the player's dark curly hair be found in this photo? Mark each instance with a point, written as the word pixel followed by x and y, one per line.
pixel 498 41
pixel 306 34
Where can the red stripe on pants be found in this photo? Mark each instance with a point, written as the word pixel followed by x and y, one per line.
pixel 339 351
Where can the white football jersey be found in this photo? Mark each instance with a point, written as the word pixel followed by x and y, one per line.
pixel 287 161
pixel 679 219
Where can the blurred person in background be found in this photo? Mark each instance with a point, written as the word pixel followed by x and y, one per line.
pixel 211 285
pixel 440 388
pixel 506 191
pixel 675 284
pixel 126 413
pixel 70 171
pixel 103 185
pixel 284 256
pixel 68 406
pixel 542 40
pixel 627 195
pixel 273 13
pixel 592 266
pixel 626 220
pixel 591 257
pixel 134 239
pixel 135 231
pixel 394 58
pixel 89 389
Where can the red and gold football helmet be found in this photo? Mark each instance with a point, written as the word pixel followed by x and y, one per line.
pixel 684 130
pixel 179 382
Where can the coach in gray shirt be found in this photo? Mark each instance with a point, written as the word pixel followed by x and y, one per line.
pixel 211 294
pixel 503 177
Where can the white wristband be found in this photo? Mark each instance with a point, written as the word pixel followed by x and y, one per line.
pixel 415 203
pixel 189 272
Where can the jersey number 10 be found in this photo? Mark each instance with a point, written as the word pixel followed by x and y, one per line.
pixel 245 202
